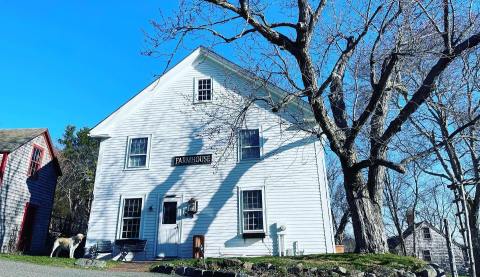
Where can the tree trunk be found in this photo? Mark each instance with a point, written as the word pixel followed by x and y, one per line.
pixel 475 232
pixel 340 232
pixel 366 214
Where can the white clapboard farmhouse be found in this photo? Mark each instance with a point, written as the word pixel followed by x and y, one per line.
pixel 165 175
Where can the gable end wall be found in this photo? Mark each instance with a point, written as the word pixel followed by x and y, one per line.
pixel 16 190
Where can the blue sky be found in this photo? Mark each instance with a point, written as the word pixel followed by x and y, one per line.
pixel 72 62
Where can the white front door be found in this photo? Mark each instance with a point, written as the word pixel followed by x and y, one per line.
pixel 169 232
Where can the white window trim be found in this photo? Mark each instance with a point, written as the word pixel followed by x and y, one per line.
pixel 195 90
pixel 120 214
pixel 127 152
pixel 240 210
pixel 239 145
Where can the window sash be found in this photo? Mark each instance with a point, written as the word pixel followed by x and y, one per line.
pixel 251 219
pixel 204 90
pixel 139 146
pixel 35 161
pixel 138 157
pixel 252 215
pixel 249 141
pixel 426 233
pixel 131 224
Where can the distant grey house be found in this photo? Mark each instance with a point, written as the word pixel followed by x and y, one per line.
pixel 28 177
pixel 431 246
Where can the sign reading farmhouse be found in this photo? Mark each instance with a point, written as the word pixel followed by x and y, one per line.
pixel 192 160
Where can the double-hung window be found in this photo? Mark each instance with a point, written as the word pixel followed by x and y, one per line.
pixel 204 90
pixel 138 152
pixel 426 233
pixel 249 144
pixel 35 161
pixel 252 211
pixel 131 218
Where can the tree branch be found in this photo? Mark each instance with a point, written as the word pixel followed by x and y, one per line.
pixel 370 162
pixel 267 32
pixel 427 86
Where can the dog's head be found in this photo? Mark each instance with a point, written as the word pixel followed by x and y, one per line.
pixel 79 237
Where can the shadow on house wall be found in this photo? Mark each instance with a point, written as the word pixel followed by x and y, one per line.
pixel 25 208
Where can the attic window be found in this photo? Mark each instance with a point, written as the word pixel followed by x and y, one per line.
pixel 426 233
pixel 204 90
pixel 35 161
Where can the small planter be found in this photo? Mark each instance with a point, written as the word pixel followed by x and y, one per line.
pixel 339 248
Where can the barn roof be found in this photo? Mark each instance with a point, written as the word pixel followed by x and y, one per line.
pixel 11 139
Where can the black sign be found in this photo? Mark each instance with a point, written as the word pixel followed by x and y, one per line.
pixel 192 160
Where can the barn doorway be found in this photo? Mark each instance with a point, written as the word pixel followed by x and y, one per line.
pixel 26 230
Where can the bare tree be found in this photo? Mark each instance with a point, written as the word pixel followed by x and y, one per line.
pixel 393 189
pixel 450 127
pixel 349 60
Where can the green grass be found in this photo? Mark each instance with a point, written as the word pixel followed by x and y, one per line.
pixel 362 262
pixel 325 261
pixel 44 260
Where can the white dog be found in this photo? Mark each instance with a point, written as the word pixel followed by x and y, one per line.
pixel 68 244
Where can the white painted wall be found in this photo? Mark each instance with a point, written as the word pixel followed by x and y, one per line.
pixel 292 171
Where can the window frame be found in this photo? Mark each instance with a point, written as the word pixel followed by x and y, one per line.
pixel 196 88
pixel 240 147
pixel 121 218
pixel 241 210
pixel 429 255
pixel 177 213
pixel 426 233
pixel 40 160
pixel 127 155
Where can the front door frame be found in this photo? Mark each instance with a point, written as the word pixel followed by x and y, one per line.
pixel 179 200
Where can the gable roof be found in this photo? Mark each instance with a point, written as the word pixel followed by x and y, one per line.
pixel 393 242
pixel 12 139
pixel 102 128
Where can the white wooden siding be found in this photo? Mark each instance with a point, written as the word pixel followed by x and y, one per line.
pixel 292 171
pixel 16 191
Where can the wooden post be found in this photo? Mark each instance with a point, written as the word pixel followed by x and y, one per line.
pixel 414 227
pixel 451 255
pixel 198 246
